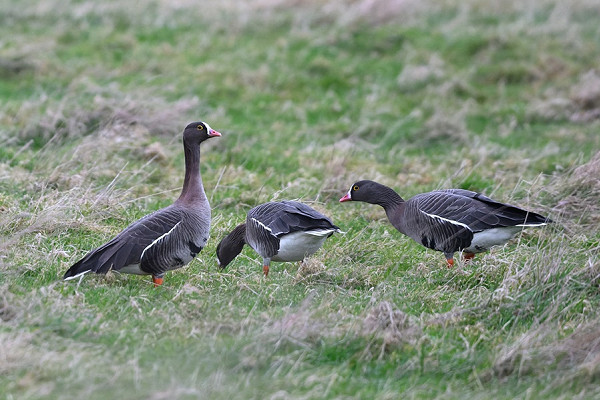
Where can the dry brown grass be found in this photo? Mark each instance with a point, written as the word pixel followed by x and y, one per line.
pixel 580 103
pixel 576 195
pixel 110 111
pixel 544 347
pixel 389 328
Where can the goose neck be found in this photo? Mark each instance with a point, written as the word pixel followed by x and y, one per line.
pixel 389 199
pixel 193 189
pixel 231 245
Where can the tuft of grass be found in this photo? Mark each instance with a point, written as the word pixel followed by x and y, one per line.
pixel 575 193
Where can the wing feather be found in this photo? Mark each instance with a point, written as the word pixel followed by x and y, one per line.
pixel 261 238
pixel 475 210
pixel 127 247
pixel 290 216
pixel 268 222
pixel 437 232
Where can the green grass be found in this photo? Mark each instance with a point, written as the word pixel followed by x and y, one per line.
pixel 310 97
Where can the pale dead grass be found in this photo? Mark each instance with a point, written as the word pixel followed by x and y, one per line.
pixel 341 164
pixel 48 213
pixel 345 13
pixel 556 276
pixel 312 270
pixel 18 354
pixel 447 126
pixel 302 327
pixel 63 197
pixel 390 326
pixel 579 103
pixel 342 13
pixel 544 348
pixel 576 193
pixel 416 74
pixel 34 366
pixel 42 117
pixel 383 326
pixel 586 95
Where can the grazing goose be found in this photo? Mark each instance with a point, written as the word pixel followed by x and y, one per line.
pixel 448 220
pixel 278 231
pixel 166 239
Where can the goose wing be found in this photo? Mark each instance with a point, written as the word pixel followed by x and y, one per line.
pixel 427 223
pixel 176 243
pixel 267 222
pixel 293 216
pixel 127 247
pixel 478 211
pixel 261 237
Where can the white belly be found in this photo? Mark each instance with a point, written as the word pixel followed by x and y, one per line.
pixel 132 269
pixel 483 240
pixel 298 245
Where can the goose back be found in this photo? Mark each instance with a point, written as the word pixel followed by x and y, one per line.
pixel 267 223
pixel 475 210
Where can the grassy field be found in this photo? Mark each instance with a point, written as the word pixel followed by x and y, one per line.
pixel 498 97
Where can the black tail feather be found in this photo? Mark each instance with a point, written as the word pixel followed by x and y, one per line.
pixel 78 268
pixel 97 260
pixel 511 215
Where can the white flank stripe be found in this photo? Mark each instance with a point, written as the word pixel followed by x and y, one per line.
pixel 540 224
pixel 158 238
pixel 446 219
pixel 77 276
pixel 261 224
pixel 320 232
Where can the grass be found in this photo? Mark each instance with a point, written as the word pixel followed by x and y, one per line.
pixel 310 97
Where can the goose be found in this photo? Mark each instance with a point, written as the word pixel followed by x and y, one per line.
pixel 448 220
pixel 278 231
pixel 166 239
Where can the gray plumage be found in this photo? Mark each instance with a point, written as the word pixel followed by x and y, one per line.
pixel 166 239
pixel 448 220
pixel 278 231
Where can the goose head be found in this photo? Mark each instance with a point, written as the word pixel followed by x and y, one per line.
pixel 198 132
pixel 231 245
pixel 365 191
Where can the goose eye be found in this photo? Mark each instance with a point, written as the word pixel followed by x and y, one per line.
pixel 355 188
pixel 200 127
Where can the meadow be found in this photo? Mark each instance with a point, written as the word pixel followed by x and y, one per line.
pixel 310 96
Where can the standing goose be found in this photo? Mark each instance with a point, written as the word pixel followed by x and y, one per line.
pixel 448 220
pixel 278 231
pixel 166 239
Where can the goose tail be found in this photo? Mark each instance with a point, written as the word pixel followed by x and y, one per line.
pixel 76 270
pixel 99 261
pixel 534 219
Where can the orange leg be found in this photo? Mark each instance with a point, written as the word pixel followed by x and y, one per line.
pixel 468 256
pixel 157 281
pixel 450 262
pixel 266 270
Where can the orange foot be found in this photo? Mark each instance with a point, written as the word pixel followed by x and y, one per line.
pixel 468 256
pixel 450 262
pixel 157 281
pixel 266 270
